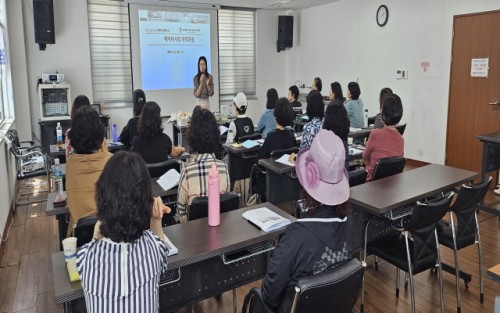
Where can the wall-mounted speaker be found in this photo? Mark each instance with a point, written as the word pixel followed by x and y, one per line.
pixel 285 32
pixel 43 15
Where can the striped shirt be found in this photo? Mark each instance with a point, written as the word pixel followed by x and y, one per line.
pixel 122 277
pixel 194 181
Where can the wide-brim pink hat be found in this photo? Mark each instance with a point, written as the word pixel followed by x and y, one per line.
pixel 321 169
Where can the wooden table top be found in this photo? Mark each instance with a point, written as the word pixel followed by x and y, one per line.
pixel 196 241
pixel 395 191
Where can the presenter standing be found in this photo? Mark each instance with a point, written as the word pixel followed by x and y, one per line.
pixel 203 84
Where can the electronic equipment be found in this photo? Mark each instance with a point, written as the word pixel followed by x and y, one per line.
pixel 52 78
pixel 55 101
pixel 31 164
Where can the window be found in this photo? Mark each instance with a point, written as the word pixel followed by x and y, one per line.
pixel 236 52
pixel 110 52
pixel 6 94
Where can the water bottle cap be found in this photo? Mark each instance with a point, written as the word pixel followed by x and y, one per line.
pixel 56 161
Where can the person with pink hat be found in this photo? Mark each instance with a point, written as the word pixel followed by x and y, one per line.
pixel 320 239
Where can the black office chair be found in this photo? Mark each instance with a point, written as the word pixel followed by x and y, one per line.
pixel 388 166
pixel 253 136
pixel 401 129
pixel 413 248
pixel 160 168
pixel 371 120
pixel 278 153
pixel 84 230
pixel 465 231
pixel 199 207
pixel 28 155
pixel 357 177
pixel 334 290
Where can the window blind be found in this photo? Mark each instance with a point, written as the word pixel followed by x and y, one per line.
pixel 236 52
pixel 110 52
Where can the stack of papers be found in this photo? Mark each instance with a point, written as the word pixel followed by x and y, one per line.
pixel 171 248
pixel 265 219
pixel 169 180
pixel 249 144
pixel 285 160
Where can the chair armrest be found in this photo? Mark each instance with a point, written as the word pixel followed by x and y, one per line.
pixel 254 299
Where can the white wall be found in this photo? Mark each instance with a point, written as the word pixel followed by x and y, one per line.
pixel 342 42
pixel 7 182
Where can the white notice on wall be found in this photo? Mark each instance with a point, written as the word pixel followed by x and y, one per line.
pixel 479 67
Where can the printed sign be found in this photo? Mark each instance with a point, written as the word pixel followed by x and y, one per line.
pixel 479 67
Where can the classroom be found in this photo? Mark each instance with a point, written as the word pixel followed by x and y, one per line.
pixel 338 40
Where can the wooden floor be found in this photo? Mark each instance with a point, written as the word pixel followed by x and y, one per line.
pixel 26 283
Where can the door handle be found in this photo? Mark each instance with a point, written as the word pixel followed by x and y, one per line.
pixel 495 102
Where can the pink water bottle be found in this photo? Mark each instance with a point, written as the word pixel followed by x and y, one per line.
pixel 213 197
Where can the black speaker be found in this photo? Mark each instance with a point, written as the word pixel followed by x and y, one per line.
pixel 43 14
pixel 285 32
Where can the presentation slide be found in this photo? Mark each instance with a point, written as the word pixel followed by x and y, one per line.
pixel 170 44
pixel 166 43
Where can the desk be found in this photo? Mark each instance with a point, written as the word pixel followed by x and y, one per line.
pixel 240 161
pixel 491 162
pixel 113 147
pixel 204 266
pixel 281 181
pixel 378 197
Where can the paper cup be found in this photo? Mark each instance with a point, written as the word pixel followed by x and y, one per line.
pixel 69 247
pixel 349 140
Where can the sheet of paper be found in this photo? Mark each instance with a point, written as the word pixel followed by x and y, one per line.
pixel 261 141
pixel 171 248
pixel 169 180
pixel 355 129
pixel 249 144
pixel 284 160
pixel 223 129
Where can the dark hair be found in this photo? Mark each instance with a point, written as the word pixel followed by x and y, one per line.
pixel 354 90
pixel 139 100
pixel 241 110
pixel 315 106
pixel 79 102
pixel 150 124
pixel 385 91
pixel 318 83
pixel 203 133
pixel 342 210
pixel 87 131
pixel 283 112
pixel 272 97
pixel 336 119
pixel 392 109
pixel 123 197
pixel 206 71
pixel 337 91
pixel 294 90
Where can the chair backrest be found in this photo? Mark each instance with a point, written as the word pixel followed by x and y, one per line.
pixel 388 166
pixel 371 120
pixel 357 177
pixel 199 207
pixel 279 152
pixel 401 129
pixel 253 136
pixel 464 209
pixel 160 168
pixel 334 290
pixel 14 137
pixel 422 227
pixel 84 230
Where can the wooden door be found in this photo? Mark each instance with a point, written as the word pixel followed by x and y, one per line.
pixel 469 110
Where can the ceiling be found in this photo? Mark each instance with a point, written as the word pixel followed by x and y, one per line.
pixel 258 4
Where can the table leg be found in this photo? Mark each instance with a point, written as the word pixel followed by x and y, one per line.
pixel 62 222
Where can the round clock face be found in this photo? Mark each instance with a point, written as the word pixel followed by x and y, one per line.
pixel 382 15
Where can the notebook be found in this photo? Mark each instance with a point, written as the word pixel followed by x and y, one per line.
pixel 265 219
pixel 169 180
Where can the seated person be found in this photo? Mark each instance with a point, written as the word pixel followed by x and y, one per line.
pixel 315 112
pixel 378 118
pixel 203 140
pixel 337 121
pixel 115 274
pixel 130 130
pixel 317 84
pixel 267 123
pixel 293 96
pixel 79 102
pixel 242 125
pixel 321 239
pixel 336 92
pixel 281 137
pixel 354 105
pixel 385 142
pixel 85 164
pixel 151 142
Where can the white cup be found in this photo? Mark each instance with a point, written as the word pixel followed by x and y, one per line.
pixel 69 247
pixel 349 140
